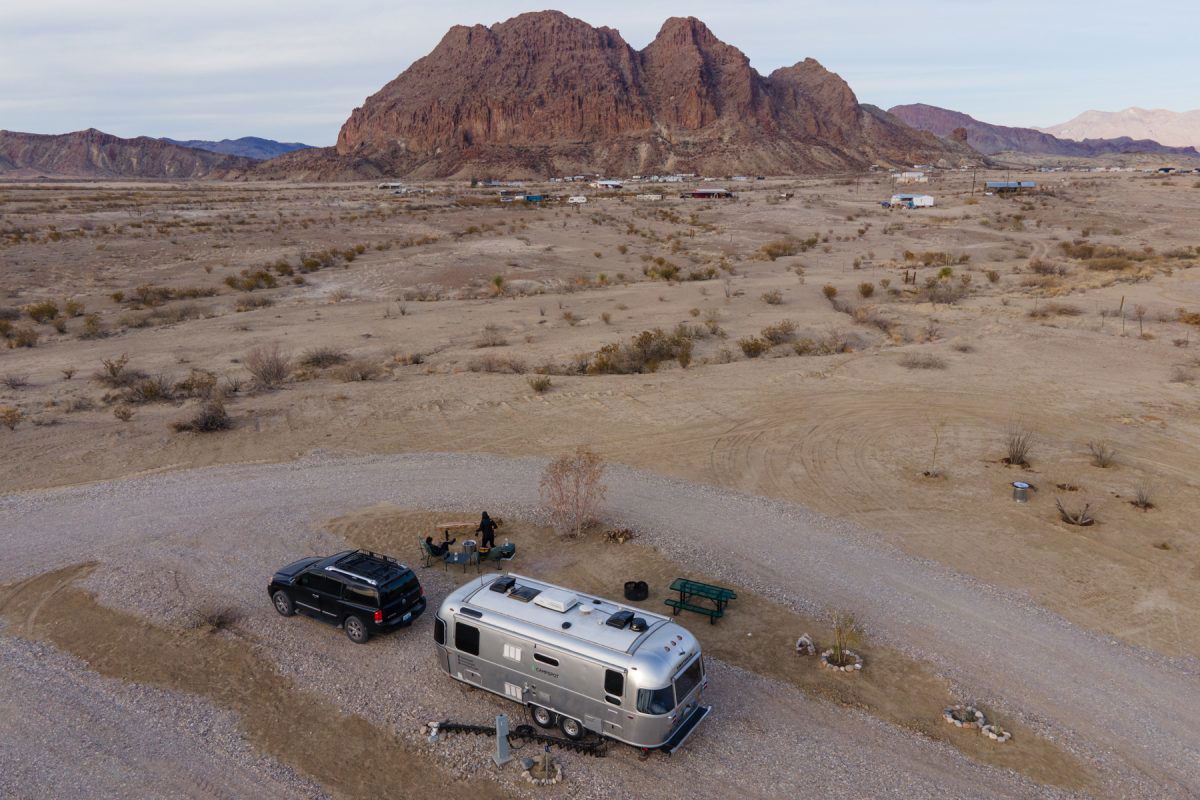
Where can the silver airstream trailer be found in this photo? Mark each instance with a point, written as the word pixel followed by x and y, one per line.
pixel 576 661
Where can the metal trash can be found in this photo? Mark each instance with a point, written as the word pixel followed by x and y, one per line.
pixel 469 546
pixel 1020 491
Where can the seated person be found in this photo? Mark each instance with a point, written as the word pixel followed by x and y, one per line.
pixel 438 549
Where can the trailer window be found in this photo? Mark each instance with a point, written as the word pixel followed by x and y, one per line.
pixel 656 701
pixel 614 683
pixel 466 638
pixel 545 659
pixel 439 631
pixel 689 680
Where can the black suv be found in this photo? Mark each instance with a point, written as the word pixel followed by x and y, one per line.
pixel 364 592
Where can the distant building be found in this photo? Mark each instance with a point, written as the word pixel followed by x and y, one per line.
pixel 649 197
pixel 577 199
pixel 1004 187
pixel 905 200
pixel 912 177
pixel 606 184
pixel 709 194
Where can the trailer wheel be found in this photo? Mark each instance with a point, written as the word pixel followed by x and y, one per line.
pixel 544 717
pixel 571 728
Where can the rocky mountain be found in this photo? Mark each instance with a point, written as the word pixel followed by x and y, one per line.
pixel 991 139
pixel 95 154
pixel 545 94
pixel 1177 128
pixel 246 147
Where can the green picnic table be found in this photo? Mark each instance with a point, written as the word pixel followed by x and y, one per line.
pixel 689 591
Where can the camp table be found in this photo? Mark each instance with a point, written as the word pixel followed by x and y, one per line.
pixel 690 590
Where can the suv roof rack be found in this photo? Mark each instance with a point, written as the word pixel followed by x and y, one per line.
pixel 366 566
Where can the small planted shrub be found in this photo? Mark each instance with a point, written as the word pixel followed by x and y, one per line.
pixel 1018 442
pixel 1143 496
pixel 1103 454
pixel 540 383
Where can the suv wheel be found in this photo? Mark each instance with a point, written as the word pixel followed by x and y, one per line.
pixel 571 728
pixel 356 629
pixel 544 717
pixel 283 603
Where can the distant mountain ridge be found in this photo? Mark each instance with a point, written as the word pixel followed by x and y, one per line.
pixel 991 139
pixel 95 154
pixel 246 147
pixel 1177 128
pixel 546 94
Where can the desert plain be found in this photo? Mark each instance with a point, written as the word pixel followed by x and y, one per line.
pixel 822 420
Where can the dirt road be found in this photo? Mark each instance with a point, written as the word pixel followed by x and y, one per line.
pixel 1136 712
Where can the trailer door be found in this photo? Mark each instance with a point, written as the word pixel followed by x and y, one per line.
pixel 614 694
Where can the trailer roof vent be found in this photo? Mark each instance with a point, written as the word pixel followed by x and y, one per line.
pixel 619 619
pixel 556 600
pixel 524 593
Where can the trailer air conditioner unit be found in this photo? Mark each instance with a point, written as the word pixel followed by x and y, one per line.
pixel 556 600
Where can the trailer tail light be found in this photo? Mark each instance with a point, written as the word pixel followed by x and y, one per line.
pixel 378 615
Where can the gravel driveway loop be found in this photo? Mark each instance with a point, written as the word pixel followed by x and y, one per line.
pixel 1134 711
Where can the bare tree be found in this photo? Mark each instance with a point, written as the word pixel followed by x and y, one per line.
pixel 572 490
pixel 847 634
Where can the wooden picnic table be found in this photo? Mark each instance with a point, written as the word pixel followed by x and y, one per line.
pixel 689 590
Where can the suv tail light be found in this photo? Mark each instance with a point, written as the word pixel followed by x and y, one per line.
pixel 378 615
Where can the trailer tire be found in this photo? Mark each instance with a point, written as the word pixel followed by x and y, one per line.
pixel 542 717
pixel 571 728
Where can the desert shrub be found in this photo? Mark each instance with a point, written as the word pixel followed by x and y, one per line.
pixel 496 363
pixel 992 275
pixel 152 389
pixel 866 289
pixel 251 303
pixel 789 246
pixel 92 329
pixel 570 318
pixel 540 383
pixel 210 416
pixel 198 383
pixel 848 633
pixel 922 361
pixel 607 317
pixel 1040 267
pixel 780 332
pixel 322 357
pixel 829 291
pixel 1143 496
pixel 359 370
pixel 643 353
pixel 1055 310
pixel 10 417
pixel 116 373
pixel 23 337
pixel 1103 454
pixel 269 365
pixel 753 347
pixel 1113 264
pixel 572 489
pixel 82 403
pixel 42 312
pixel 492 336
pixel 14 380
pixel 250 279
pixel 773 297
pixel 1018 442
pixel 123 412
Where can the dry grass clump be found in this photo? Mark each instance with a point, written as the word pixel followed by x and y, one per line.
pixel 1018 442
pixel 252 303
pixel 123 412
pixel 210 416
pixel 14 380
pixel 22 337
pixel 249 280
pixel 753 347
pixel 827 345
pixel 147 295
pixel 322 357
pixel 643 353
pixel 1055 310
pixel 491 336
pixel 773 297
pixel 10 417
pixel 1143 496
pixel 496 363
pixel 359 370
pixel 158 316
pixel 1103 454
pixel 269 365
pixel 540 383
pixel 922 361
pixel 42 312
pixel 780 332
pixel 151 389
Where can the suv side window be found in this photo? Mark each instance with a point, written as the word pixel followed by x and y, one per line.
pixel 320 583
pixel 361 595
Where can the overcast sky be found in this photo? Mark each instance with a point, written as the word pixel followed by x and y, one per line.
pixel 293 69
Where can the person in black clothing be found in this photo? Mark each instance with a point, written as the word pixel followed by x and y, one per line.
pixel 488 529
pixel 438 549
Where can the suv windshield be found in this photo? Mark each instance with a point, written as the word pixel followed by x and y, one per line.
pixel 689 679
pixel 397 589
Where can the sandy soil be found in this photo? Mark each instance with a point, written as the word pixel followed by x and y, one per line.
pixel 1077 349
